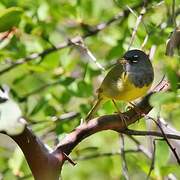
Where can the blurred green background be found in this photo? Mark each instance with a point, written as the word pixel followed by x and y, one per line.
pixel 65 81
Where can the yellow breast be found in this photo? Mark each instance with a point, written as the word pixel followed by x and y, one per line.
pixel 122 89
pixel 130 92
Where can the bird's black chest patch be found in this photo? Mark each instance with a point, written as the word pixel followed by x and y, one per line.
pixel 141 79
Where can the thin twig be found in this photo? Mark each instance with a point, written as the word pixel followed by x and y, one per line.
pixel 145 41
pixel 123 158
pixel 131 10
pixel 67 116
pixel 69 159
pixel 99 155
pixel 143 149
pixel 152 52
pixel 85 51
pixel 153 159
pixel 149 133
pixel 138 21
pixel 166 139
pixel 62 118
pixel 173 42
pixel 148 33
pixel 173 13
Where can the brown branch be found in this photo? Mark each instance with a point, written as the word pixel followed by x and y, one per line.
pixel 96 29
pixel 42 163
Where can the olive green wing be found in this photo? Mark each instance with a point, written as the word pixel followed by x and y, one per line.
pixel 113 82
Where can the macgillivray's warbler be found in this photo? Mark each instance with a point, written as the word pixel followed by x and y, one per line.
pixel 130 78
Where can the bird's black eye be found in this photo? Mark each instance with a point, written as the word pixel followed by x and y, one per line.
pixel 133 59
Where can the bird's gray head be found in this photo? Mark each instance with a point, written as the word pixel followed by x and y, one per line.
pixel 139 67
pixel 136 56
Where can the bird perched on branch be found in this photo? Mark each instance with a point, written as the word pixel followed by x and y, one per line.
pixel 130 78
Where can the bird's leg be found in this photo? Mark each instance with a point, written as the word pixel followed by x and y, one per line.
pixel 122 117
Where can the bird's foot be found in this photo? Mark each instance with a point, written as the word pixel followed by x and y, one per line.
pixel 124 118
pixel 136 109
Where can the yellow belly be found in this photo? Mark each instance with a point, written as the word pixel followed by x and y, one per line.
pixel 125 91
pixel 130 93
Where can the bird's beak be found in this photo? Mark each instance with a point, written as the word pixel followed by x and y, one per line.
pixel 122 61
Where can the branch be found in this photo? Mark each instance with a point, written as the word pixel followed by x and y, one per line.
pixel 153 159
pixel 150 133
pixel 41 162
pixel 96 29
pixel 138 21
pixel 123 158
pixel 167 141
pixel 98 155
pixel 173 42
pixel 141 148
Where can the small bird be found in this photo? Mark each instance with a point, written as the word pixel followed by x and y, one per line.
pixel 130 78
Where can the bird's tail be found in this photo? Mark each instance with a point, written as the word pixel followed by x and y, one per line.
pixel 94 109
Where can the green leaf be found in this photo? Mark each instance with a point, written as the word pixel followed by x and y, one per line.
pixel 35 68
pixel 86 150
pixel 165 170
pixel 81 89
pixel 49 110
pixel 66 81
pixel 172 78
pixel 162 155
pixel 9 18
pixel 16 161
pixel 65 97
pixel 161 98
pixel 84 89
pixel 116 50
pixel 38 106
pixel 168 2
pixel 43 11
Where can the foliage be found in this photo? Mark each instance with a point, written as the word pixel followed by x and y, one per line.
pixel 64 81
